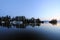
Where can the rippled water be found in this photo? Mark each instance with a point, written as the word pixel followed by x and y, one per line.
pixel 45 31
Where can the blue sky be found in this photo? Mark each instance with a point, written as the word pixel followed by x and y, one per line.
pixel 43 9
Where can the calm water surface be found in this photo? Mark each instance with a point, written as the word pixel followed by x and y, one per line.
pixel 45 31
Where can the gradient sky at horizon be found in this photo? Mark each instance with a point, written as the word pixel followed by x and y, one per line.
pixel 43 9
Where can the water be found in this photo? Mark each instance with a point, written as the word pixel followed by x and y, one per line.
pixel 45 31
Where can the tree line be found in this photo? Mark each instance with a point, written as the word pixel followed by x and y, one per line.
pixel 22 21
pixel 8 19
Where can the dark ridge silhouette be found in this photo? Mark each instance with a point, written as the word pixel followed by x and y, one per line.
pixel 53 21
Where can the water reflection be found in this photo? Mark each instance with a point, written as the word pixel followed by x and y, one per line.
pixel 8 25
pixel 54 23
pixel 19 21
pixel 45 30
pixel 23 25
pixel 22 21
pixel 5 25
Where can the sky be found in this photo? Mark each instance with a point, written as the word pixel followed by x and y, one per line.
pixel 43 9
